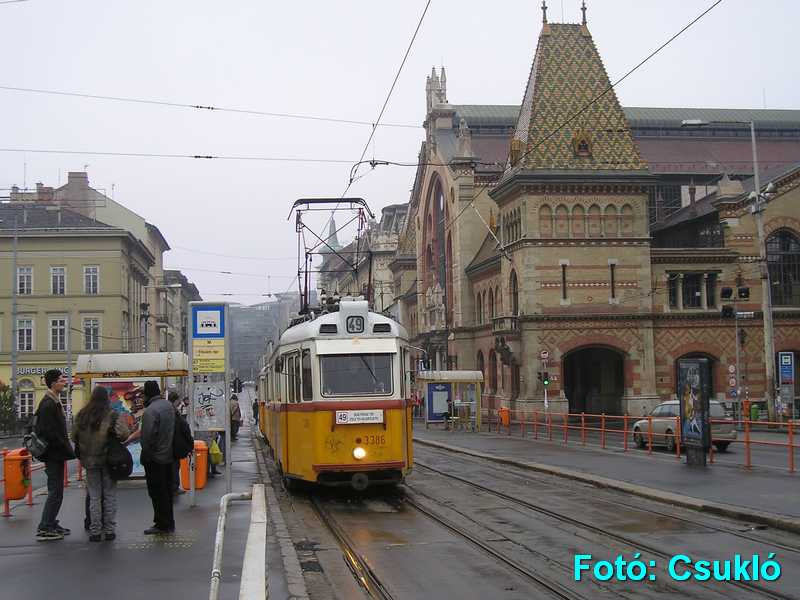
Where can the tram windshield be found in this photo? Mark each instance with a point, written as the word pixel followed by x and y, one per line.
pixel 356 374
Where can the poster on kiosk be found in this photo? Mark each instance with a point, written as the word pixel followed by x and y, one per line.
pixel 209 360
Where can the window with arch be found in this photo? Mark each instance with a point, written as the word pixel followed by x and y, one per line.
pixel 478 309
pixel 485 308
pixel 492 371
pixel 562 221
pixel 26 398
pixel 626 220
pixel 611 221
pixel 594 221
pixel 491 304
pixel 481 366
pixel 515 381
pixel 578 221
pixel 546 221
pixel 783 260
pixel 513 290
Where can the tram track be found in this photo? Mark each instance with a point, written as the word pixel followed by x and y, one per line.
pixel 634 543
pixel 540 581
pixel 642 509
pixel 357 563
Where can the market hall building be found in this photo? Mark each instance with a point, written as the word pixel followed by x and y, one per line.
pixel 605 237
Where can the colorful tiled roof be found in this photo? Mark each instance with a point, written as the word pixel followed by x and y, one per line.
pixel 568 75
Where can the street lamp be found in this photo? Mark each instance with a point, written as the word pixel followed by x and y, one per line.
pixel 757 197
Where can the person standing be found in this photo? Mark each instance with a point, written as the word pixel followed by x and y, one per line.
pixel 236 416
pixel 94 425
pixel 178 404
pixel 255 412
pixel 158 429
pixel 51 426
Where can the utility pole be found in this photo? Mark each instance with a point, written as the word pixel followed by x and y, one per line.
pixel 14 291
pixel 766 287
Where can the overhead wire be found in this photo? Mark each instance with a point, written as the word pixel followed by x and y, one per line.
pixel 204 107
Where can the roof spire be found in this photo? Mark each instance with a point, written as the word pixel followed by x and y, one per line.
pixel 583 10
pixel 544 12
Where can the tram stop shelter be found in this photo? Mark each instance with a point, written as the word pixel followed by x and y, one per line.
pixel 124 375
pixel 454 393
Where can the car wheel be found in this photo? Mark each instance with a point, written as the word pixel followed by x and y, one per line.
pixel 670 440
pixel 721 446
pixel 638 439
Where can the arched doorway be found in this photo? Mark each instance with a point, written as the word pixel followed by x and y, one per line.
pixel 594 380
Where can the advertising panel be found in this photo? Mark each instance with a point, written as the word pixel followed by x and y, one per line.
pixel 128 400
pixel 693 394
pixel 438 401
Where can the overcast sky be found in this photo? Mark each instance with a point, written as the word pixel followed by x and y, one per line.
pixel 333 59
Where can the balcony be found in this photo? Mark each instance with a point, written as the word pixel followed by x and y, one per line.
pixel 508 326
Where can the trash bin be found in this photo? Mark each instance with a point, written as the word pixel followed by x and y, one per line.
pixel 505 416
pixel 755 412
pixel 200 467
pixel 17 473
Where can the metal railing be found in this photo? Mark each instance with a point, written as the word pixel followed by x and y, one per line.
pixel 254 576
pixel 619 431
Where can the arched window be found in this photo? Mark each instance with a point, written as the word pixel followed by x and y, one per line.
pixel 578 221
pixel 498 302
pixel 595 221
pixel 478 309
pixel 492 371
pixel 481 366
pixel 783 258
pixel 515 381
pixel 491 304
pixel 485 316
pixel 513 290
pixel 545 221
pixel 562 221
pixel 611 222
pixel 626 220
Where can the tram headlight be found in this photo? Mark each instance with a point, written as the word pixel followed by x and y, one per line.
pixel 359 453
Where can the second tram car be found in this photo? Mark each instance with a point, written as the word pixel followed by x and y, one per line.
pixel 333 399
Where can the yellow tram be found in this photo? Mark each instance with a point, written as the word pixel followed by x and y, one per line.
pixel 333 399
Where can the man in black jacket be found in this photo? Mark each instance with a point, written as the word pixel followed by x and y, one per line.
pixel 158 429
pixel 51 425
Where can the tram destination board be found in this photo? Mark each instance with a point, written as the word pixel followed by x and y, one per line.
pixel 346 417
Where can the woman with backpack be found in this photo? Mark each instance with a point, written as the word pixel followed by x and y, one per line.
pixel 92 430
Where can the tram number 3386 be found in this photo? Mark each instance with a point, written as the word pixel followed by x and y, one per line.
pixel 374 440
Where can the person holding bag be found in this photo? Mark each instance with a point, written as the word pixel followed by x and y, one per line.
pixel 95 431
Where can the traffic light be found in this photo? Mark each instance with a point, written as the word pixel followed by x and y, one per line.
pixel 545 378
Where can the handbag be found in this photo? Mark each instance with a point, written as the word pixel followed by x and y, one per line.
pixel 215 453
pixel 118 460
pixel 33 442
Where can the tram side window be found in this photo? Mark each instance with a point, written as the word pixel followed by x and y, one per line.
pixel 296 379
pixel 290 379
pixel 308 389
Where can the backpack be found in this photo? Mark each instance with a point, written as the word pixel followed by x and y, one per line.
pixel 33 442
pixel 182 440
pixel 118 460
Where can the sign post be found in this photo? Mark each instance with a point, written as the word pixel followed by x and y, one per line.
pixel 786 380
pixel 545 356
pixel 209 357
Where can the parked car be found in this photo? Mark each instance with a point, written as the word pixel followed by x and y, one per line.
pixel 664 422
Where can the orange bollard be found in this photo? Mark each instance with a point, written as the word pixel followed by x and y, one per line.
pixel 566 429
pixel 649 434
pixel 549 427
pixel 536 424
pixel 790 429
pixel 80 471
pixel 66 473
pixel 678 438
pixel 6 507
